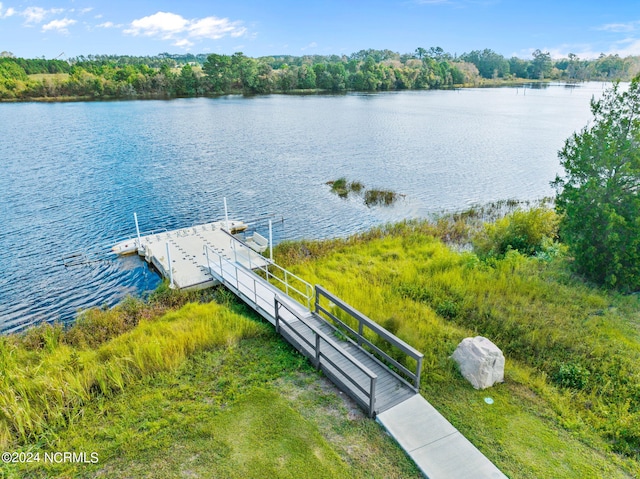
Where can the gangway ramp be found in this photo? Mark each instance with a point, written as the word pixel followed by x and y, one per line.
pixel 358 372
pixel 333 336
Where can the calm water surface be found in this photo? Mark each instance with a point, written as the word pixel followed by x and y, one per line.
pixel 73 173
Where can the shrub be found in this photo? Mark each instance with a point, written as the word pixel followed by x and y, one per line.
pixel 599 195
pixel 526 231
pixel 572 376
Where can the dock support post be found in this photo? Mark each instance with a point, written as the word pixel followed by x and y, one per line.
pixel 270 241
pixel 170 268
pixel 135 218
pixel 226 214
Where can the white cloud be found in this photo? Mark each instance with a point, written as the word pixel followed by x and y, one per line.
pixel 171 26
pixel 108 25
pixel 215 28
pixel 38 14
pixel 620 27
pixel 623 48
pixel 10 11
pixel 161 24
pixel 311 45
pixel 183 43
pixel 628 47
pixel 59 26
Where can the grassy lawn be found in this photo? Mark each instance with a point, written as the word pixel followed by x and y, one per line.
pixel 252 409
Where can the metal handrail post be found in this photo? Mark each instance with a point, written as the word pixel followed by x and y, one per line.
pixel 255 292
pixel 418 373
pixel 135 218
pixel 226 213
pixel 270 241
pixel 169 265
pixel 372 398
pixel 317 351
pixel 286 281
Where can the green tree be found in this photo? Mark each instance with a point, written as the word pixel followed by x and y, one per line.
pixel 339 76
pixel 610 67
pixel 519 67
pixel 287 78
pixel 599 194
pixel 489 63
pixel 306 77
pixel 245 72
pixel 541 65
pixel 187 82
pixel 219 73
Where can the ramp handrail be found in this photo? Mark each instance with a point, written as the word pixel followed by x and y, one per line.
pixel 235 281
pixel 319 356
pixel 267 266
pixel 361 340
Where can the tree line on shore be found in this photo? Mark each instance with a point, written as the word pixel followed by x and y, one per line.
pixel 166 75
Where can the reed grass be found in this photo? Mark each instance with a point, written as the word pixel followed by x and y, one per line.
pixel 371 197
pixel 375 197
pixel 47 377
pixel 256 408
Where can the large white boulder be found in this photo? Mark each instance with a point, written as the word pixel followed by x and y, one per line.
pixel 481 362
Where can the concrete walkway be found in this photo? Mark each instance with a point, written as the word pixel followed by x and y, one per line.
pixel 438 448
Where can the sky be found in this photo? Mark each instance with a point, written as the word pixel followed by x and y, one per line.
pixel 70 28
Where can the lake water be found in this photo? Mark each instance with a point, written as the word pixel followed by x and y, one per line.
pixel 74 173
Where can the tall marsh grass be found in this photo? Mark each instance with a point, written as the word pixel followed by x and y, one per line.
pixel 44 383
pixel 581 342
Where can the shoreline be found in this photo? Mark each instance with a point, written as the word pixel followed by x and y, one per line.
pixel 299 92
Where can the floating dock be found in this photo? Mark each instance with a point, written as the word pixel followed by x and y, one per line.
pixel 180 255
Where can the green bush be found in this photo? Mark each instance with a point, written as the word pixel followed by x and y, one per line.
pixel 599 195
pixel 529 232
pixel 572 376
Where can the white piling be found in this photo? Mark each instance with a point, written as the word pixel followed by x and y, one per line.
pixel 135 218
pixel 270 241
pixel 170 268
pixel 226 214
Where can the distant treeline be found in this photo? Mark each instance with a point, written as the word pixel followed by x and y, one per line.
pixel 166 75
